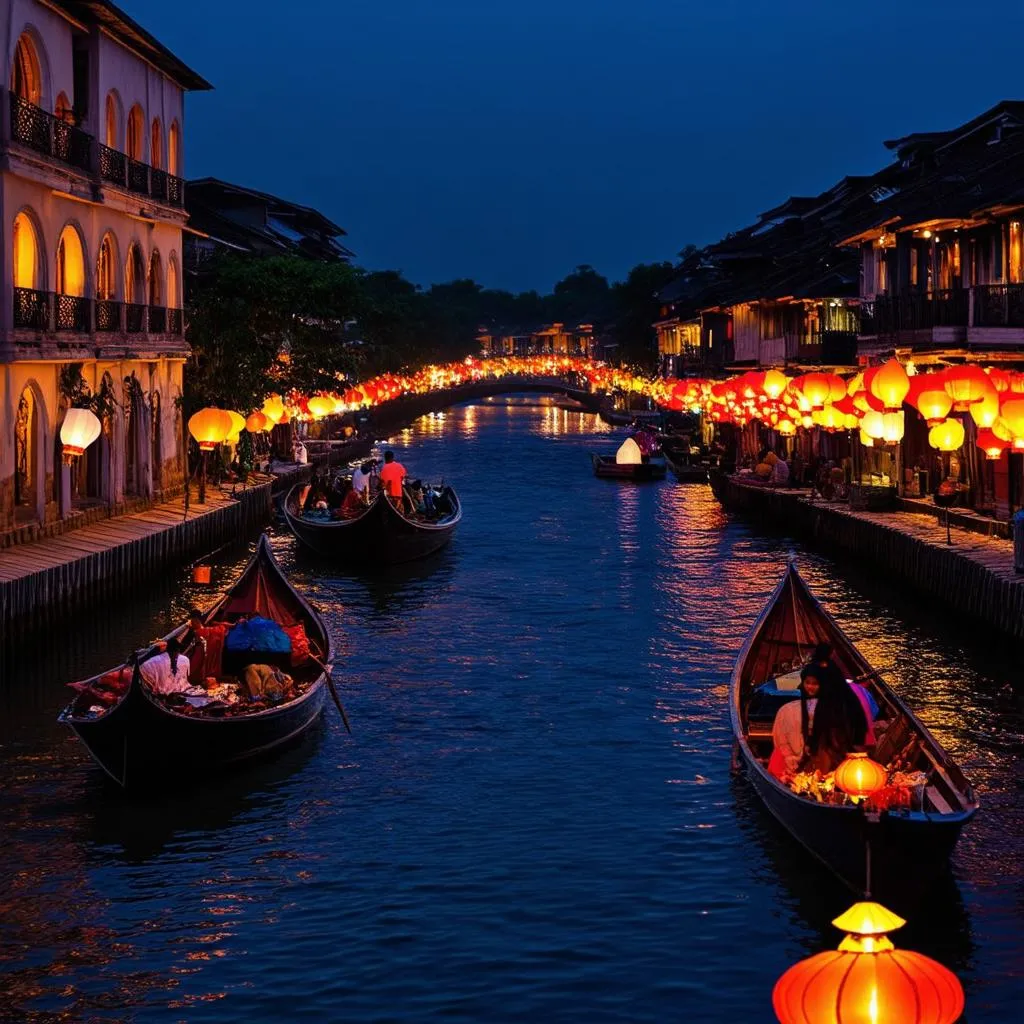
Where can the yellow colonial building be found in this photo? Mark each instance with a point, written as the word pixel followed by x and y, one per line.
pixel 92 208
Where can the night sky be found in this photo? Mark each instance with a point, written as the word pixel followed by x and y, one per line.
pixel 509 141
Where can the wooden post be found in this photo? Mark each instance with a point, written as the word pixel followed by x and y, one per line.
pixel 202 479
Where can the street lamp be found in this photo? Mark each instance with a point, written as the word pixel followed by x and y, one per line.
pixel 80 428
pixel 209 427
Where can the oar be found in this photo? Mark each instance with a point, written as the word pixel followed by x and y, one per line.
pixel 334 691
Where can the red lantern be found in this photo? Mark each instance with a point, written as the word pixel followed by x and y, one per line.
pixel 966 384
pixel 890 384
pixel 859 777
pixel 992 445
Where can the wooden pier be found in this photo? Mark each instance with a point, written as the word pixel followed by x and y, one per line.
pixel 44 581
pixel 973 575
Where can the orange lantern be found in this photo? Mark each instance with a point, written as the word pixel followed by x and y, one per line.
pixel 256 423
pixel 320 406
pixel 1000 378
pixel 860 777
pixel 890 384
pixel 947 436
pixel 817 389
pixel 985 411
pixel 1012 414
pixel 775 383
pixel 273 409
pixel 966 385
pixel 237 426
pixel 991 444
pixel 209 427
pixel 786 427
pixel 934 405
pixel 868 980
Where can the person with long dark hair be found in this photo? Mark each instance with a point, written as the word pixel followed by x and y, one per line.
pixel 839 726
pixel 791 730
pixel 168 671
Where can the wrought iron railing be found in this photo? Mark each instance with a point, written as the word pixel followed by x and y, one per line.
pixel 113 166
pixel 158 184
pixel 134 317
pixel 999 305
pixel 157 319
pixel 108 315
pixel 39 130
pixel 72 313
pixel 32 309
pixel 138 177
pixel 175 191
pixel 175 322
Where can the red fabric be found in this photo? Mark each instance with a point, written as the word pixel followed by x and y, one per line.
pixel 777 765
pixel 300 642
pixel 212 661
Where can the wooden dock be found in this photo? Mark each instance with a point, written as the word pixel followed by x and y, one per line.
pixel 44 581
pixel 973 575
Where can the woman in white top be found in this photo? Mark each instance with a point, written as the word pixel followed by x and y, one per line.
pixel 792 728
pixel 167 672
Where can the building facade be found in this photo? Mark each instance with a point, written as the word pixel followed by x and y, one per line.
pixel 92 205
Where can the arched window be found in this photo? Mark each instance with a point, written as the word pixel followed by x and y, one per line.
pixel 156 144
pixel 63 109
pixel 135 145
pixel 70 263
pixel 106 270
pixel 111 121
pixel 174 150
pixel 26 253
pixel 173 298
pixel 26 75
pixel 156 280
pixel 135 277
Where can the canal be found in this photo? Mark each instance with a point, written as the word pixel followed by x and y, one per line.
pixel 535 815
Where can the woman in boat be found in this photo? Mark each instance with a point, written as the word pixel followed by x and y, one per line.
pixel 791 730
pixel 823 658
pixel 840 724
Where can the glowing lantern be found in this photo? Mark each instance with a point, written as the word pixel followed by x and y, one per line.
pixel 320 406
pixel 786 427
pixel 79 429
pixel 273 409
pixel 991 444
pixel 947 436
pixel 775 383
pixel 966 385
pixel 1000 378
pixel 1013 416
pixel 890 384
pixel 817 389
pixel 837 387
pixel 986 411
pixel 237 426
pixel 860 777
pixel 873 424
pixel 892 427
pixel 629 453
pixel 209 427
pixel 256 423
pixel 868 980
pixel 934 405
pixel 866 439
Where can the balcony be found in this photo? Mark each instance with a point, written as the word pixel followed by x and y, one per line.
pixel 41 131
pixel 999 305
pixel 50 313
pixel 915 311
pixel 827 348
pixel 135 176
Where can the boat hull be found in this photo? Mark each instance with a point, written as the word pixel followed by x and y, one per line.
pixel 608 469
pixel 380 536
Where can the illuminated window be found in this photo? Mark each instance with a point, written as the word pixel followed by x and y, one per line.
pixel 70 263
pixel 134 277
pixel 26 253
pixel 172 283
pixel 111 121
pixel 174 150
pixel 106 270
pixel 156 144
pixel 1015 252
pixel 26 78
pixel 134 140
pixel 64 110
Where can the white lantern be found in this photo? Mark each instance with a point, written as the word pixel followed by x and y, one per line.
pixel 629 453
pixel 79 429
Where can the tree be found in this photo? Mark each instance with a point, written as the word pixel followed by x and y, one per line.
pixel 582 296
pixel 638 308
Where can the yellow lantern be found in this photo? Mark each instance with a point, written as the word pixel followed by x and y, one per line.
pixel 890 385
pixel 934 406
pixel 860 777
pixel 209 427
pixel 273 409
pixel 786 427
pixel 873 425
pixel 866 439
pixel 79 429
pixel 946 436
pixel 986 411
pixel 817 389
pixel 892 426
pixel 775 383
pixel 1013 417
pixel 320 406
pixel 237 426
pixel 256 423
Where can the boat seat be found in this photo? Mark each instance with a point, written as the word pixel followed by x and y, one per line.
pixel 893 740
pixel 937 800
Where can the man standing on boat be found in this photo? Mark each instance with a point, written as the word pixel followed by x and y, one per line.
pixel 392 476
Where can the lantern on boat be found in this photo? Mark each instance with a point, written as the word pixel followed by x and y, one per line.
pixel 934 405
pixel 209 427
pixel 80 428
pixel 890 384
pixel 868 980
pixel 991 444
pixel 629 453
pixel 256 422
pixel 860 777
pixel 966 385
pixel 946 436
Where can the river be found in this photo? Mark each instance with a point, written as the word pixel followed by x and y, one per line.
pixel 535 816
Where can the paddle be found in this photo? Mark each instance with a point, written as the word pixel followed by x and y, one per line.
pixel 333 689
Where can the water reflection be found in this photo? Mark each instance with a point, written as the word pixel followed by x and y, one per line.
pixel 535 813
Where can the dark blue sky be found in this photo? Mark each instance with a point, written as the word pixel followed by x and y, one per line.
pixel 509 140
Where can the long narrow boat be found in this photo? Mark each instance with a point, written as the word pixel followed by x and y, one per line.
pixel 141 739
pixel 606 467
pixel 382 535
pixel 685 471
pixel 907 843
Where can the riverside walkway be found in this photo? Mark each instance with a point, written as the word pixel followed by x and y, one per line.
pixel 974 575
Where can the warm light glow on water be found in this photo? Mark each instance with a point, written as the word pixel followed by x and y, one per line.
pixel 535 816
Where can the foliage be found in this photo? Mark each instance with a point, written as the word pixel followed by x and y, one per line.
pixel 74 387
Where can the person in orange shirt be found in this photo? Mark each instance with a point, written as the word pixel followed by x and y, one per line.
pixel 392 475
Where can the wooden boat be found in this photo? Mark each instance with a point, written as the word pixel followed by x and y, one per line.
pixel 142 740
pixel 685 470
pixel 652 468
pixel 912 843
pixel 383 534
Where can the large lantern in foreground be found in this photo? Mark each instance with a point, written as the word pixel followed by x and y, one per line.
pixel 947 436
pixel 934 404
pixel 890 384
pixel 860 777
pixel 79 429
pixel 867 980
pixel 209 427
